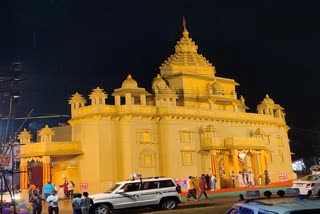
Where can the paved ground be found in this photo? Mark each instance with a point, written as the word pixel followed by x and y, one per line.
pixel 219 202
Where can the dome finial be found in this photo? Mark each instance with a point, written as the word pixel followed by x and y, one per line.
pixel 184 24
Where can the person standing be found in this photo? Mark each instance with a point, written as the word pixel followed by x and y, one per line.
pixel 240 180
pixel 260 180
pixel 36 200
pixel 191 188
pixel 266 178
pixel 245 178
pixel 86 203
pixel 77 203
pixel 251 179
pixel 213 182
pixel 30 191
pixel 208 181
pixel 70 189
pixel 65 188
pixel 47 190
pixel 202 186
pixel 53 203
pixel 233 179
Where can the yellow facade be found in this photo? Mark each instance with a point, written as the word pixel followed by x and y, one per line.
pixel 193 122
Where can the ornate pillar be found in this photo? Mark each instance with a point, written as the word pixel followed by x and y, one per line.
pixel 46 169
pixel 235 160
pixel 23 173
pixel 263 163
pixel 128 99
pixel 215 166
pixel 143 99
pixel 117 100
pixel 226 164
pixel 254 167
pixel 214 163
pixel 227 171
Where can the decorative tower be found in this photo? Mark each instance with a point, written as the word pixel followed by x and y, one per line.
pixel 25 137
pixel 268 107
pixel 98 96
pixel 163 94
pixel 46 134
pixel 76 101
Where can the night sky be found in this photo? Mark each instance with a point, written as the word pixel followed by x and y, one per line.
pixel 68 46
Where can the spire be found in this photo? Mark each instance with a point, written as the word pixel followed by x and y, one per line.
pixel 186 54
pixel 185 32
pixel 184 23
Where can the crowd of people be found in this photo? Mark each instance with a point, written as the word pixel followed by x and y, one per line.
pixel 209 182
pixel 64 190
pixel 49 197
pixel 206 182
pixel 247 179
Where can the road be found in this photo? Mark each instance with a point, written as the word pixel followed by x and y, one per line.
pixel 216 204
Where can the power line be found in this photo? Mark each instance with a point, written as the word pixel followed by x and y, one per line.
pixel 37 117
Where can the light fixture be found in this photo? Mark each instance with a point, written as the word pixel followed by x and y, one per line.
pixel 242 155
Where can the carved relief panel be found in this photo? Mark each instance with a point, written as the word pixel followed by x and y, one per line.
pixel 146 136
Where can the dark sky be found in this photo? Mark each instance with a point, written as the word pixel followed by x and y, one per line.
pixel 68 46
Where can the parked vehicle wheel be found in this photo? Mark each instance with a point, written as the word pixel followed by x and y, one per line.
pixel 102 209
pixel 168 204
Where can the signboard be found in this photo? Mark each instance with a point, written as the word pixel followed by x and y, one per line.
pixel 283 177
pixel 4 160
pixel 83 186
pixel 16 151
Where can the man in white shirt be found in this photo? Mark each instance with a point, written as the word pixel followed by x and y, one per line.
pixel 251 178
pixel 240 180
pixel 53 203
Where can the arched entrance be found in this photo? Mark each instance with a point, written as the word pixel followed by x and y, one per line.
pixel 35 173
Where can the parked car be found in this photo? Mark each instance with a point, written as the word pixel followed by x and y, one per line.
pixel 157 192
pixel 291 204
pixel 308 185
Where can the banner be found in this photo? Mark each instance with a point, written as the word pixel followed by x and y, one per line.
pixel 83 186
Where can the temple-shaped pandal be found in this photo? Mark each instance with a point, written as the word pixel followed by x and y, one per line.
pixel 192 122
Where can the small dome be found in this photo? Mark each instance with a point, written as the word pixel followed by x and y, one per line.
pixel 159 82
pixel 129 83
pixel 268 100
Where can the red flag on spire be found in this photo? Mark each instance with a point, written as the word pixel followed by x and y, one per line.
pixel 183 22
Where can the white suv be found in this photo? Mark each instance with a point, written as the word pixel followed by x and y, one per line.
pixel 144 192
